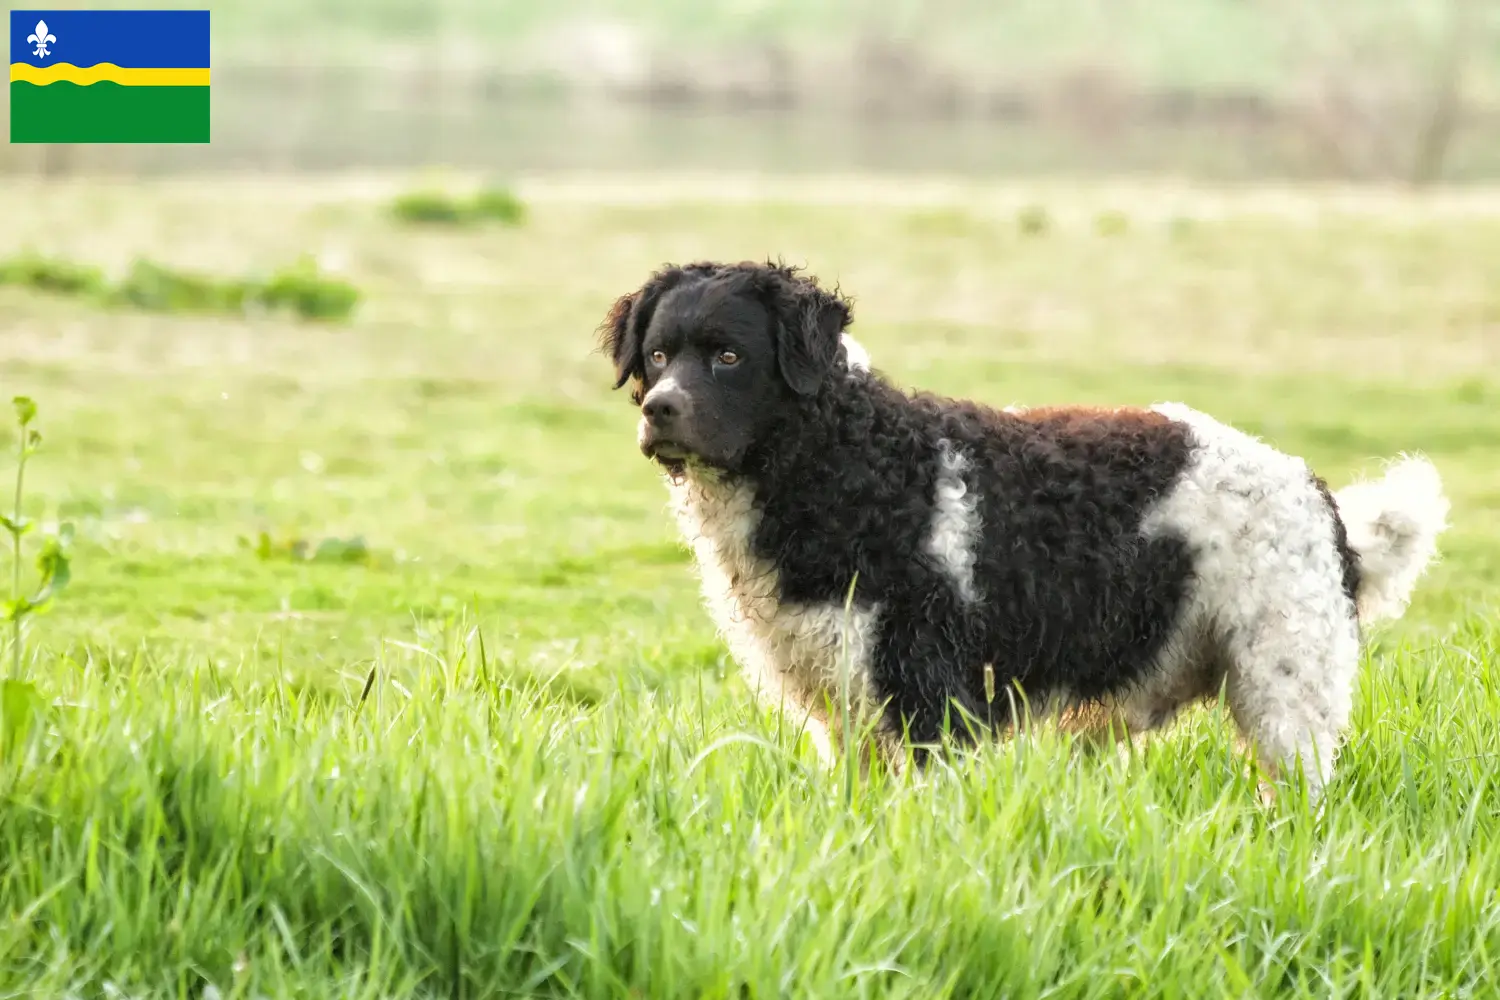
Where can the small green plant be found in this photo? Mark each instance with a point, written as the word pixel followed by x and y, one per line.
pixel 491 204
pixel 19 700
pixel 52 562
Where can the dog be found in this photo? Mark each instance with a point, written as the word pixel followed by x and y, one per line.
pixel 941 567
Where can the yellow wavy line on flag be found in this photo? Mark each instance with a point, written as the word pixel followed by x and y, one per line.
pixel 107 73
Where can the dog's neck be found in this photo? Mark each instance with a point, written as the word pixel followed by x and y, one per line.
pixel 805 441
pixel 717 517
pixel 723 508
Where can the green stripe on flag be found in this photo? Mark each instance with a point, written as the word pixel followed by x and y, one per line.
pixel 107 112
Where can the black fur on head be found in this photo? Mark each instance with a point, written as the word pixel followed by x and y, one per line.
pixel 624 327
pixel 709 348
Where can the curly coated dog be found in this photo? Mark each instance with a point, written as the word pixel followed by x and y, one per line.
pixel 1105 563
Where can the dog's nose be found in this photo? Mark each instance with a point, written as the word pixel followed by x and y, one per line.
pixel 665 406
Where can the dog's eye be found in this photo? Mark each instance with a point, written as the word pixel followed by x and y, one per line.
pixel 658 358
pixel 728 358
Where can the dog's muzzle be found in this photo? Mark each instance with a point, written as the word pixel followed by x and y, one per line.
pixel 664 415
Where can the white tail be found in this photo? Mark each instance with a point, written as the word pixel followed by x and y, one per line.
pixel 1393 523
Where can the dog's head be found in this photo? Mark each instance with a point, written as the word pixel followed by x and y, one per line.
pixel 712 352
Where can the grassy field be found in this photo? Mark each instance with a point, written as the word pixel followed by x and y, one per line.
pixel 504 754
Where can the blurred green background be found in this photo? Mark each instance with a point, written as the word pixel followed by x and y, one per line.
pixel 383 670
pixel 1405 90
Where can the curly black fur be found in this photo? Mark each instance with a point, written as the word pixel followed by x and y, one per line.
pixel 1347 555
pixel 1075 600
pixel 843 467
pixel 796 304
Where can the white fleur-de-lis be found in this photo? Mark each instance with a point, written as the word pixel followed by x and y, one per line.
pixel 41 38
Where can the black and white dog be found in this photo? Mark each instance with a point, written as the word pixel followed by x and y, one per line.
pixel 1126 562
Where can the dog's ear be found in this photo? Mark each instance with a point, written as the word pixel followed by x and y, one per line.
pixel 624 328
pixel 811 322
pixel 621 340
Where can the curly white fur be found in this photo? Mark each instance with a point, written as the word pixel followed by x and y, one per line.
pixel 1393 523
pixel 858 357
pixel 955 522
pixel 792 654
pixel 1267 614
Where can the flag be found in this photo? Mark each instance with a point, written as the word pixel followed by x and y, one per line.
pixel 109 76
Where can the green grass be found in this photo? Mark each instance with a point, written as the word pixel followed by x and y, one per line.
pixel 488 745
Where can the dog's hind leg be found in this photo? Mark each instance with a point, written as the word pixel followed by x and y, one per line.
pixel 1271 585
pixel 1290 685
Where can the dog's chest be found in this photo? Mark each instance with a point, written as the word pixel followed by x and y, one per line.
pixel 796 649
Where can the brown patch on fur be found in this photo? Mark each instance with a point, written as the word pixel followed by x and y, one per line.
pixel 1091 720
pixel 1079 418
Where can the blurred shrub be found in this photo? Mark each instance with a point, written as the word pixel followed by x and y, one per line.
pixel 499 205
pixel 438 208
pixel 60 277
pixel 428 208
pixel 1033 220
pixel 1111 222
pixel 305 290
pixel 156 288
pixel 301 289
pixel 336 551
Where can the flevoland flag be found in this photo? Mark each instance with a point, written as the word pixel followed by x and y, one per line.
pixel 109 76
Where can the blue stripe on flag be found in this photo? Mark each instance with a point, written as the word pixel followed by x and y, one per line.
pixel 135 39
